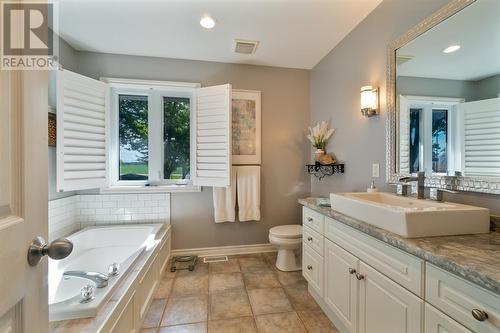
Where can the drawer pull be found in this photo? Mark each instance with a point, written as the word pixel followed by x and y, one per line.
pixel 479 315
pixel 360 276
pixel 352 271
pixel 309 219
pixel 309 238
pixel 309 267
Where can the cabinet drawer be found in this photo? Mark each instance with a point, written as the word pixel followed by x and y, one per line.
pixel 457 298
pixel 313 239
pixel 312 219
pixel 438 322
pixel 405 269
pixel 312 268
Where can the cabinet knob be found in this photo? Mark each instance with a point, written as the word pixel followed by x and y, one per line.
pixel 309 219
pixel 479 315
pixel 352 270
pixel 309 267
pixel 309 238
pixel 360 276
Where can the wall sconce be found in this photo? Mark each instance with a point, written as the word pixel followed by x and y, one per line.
pixel 369 101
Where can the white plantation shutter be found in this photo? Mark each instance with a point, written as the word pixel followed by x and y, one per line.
pixel 212 137
pixel 481 141
pixel 81 132
pixel 404 134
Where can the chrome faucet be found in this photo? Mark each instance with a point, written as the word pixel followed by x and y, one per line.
pixel 99 279
pixel 436 194
pixel 420 179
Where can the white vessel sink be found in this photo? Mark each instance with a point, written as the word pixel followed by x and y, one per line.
pixel 411 217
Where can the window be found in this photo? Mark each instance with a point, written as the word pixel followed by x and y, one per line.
pixel 439 141
pixel 150 134
pixel 133 137
pixel 415 140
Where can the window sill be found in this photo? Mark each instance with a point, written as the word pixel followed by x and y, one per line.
pixel 151 189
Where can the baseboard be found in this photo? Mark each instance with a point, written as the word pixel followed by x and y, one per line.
pixel 225 250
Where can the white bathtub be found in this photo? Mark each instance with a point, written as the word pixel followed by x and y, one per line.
pixel 94 249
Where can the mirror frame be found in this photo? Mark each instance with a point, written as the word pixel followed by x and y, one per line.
pixel 467 184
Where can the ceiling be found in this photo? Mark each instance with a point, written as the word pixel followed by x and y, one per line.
pixel 292 33
pixel 476 29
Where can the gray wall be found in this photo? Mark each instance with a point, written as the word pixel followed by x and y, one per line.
pixel 360 59
pixel 470 90
pixel 285 117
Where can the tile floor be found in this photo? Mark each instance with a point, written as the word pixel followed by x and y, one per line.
pixel 246 294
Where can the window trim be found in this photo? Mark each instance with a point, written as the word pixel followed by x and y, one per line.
pixel 155 90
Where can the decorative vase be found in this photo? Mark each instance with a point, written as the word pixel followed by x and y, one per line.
pixel 318 154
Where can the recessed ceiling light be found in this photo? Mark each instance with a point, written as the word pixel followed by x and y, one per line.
pixel 207 22
pixel 451 49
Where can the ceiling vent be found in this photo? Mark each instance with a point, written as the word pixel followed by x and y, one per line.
pixel 401 59
pixel 245 46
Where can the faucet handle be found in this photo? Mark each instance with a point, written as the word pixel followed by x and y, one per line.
pixel 402 189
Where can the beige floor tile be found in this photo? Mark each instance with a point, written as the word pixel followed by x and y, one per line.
pixel 269 301
pixel 189 328
pixel 253 264
pixel 199 270
pixel 229 304
pixel 300 297
pixel 287 322
pixel 236 325
pixel 226 282
pixel 148 330
pixel 271 258
pixel 260 280
pixel 155 311
pixel 289 278
pixel 185 310
pixel 164 288
pixel 190 285
pixel 317 322
pixel 230 266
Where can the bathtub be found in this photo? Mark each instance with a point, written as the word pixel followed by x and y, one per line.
pixel 94 249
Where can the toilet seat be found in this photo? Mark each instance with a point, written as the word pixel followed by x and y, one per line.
pixel 290 231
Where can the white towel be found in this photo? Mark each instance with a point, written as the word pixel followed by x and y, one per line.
pixel 248 188
pixel 225 201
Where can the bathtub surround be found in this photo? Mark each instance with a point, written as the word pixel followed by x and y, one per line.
pixel 285 118
pixel 79 211
pixel 334 95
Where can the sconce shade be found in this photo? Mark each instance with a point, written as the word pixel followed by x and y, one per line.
pixel 369 101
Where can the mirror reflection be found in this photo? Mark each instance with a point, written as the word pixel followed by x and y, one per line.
pixel 448 96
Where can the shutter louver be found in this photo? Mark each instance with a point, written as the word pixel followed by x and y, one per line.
pixel 404 135
pixel 212 138
pixel 482 137
pixel 81 132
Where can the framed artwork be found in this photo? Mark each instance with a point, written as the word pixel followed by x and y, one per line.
pixel 246 127
pixel 52 128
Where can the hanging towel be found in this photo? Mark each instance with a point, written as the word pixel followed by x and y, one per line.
pixel 225 201
pixel 248 188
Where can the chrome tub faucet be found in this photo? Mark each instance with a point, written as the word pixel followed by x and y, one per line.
pixel 99 279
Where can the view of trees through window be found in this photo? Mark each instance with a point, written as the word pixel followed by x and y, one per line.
pixel 176 134
pixel 133 137
pixel 439 141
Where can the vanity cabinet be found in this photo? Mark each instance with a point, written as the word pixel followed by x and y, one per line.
pixel 368 286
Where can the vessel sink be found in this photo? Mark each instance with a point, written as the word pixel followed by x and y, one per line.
pixel 410 217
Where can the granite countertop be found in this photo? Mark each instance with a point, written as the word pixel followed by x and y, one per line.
pixel 475 258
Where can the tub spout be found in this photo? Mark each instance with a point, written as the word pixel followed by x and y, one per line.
pixel 99 279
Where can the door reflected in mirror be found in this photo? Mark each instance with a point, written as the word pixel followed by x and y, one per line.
pixel 448 96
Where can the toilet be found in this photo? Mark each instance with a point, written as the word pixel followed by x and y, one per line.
pixel 288 240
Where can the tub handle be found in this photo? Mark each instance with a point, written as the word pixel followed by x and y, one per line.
pixel 57 250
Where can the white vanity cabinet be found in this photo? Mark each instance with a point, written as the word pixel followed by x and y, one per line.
pixel 365 285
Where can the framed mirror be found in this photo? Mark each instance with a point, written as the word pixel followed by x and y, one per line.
pixel 443 102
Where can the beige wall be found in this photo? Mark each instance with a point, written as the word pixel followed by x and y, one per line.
pixel 360 59
pixel 285 117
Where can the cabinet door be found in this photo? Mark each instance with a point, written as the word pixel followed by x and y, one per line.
pixel 312 268
pixel 438 322
pixel 384 306
pixel 341 285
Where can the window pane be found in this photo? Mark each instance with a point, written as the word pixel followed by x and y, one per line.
pixel 439 141
pixel 415 140
pixel 133 115
pixel 176 137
